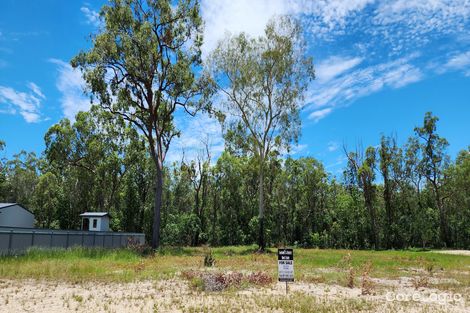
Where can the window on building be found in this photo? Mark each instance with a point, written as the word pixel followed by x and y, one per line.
pixel 95 223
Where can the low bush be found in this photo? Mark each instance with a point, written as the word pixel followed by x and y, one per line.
pixel 138 248
pixel 260 278
pixel 367 285
pixel 209 259
pixel 217 281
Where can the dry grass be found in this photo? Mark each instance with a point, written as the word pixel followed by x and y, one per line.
pixel 336 268
pixel 325 266
pixel 367 285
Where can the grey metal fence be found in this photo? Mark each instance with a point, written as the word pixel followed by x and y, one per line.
pixel 16 240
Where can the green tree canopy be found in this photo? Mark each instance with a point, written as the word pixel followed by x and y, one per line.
pixel 141 66
pixel 263 81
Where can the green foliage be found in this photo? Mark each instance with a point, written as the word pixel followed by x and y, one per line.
pixel 263 80
pixel 46 200
pixel 20 176
pixel 142 67
pixel 180 229
pixel 85 169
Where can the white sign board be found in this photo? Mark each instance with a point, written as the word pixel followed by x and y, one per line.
pixel 285 263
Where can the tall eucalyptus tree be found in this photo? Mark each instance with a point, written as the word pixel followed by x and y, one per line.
pixel 263 81
pixel 141 66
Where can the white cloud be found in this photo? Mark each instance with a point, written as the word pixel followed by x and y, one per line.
pixel 195 133
pixel 334 66
pixel 35 88
pixel 296 149
pixel 329 18
pixel 388 37
pixel 458 62
pixel 401 76
pixel 92 17
pixel 359 82
pixel 333 146
pixel 319 114
pixel 340 160
pixel 26 103
pixel 251 16
pixel 406 25
pixel 238 16
pixel 382 31
pixel 70 83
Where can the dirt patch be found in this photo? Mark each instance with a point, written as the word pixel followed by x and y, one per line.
pixel 176 295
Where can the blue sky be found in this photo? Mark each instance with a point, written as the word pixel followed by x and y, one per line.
pixel 380 66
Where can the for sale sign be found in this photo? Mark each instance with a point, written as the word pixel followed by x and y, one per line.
pixel 285 261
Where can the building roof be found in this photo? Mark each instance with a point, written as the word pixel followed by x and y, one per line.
pixel 95 214
pixel 7 205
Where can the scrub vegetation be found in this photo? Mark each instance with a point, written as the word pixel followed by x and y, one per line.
pixel 322 265
pixel 240 279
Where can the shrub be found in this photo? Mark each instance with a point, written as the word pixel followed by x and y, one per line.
pixel 260 278
pixel 421 281
pixel 209 259
pixel 217 281
pixel 214 282
pixel 351 274
pixel 367 284
pixel 141 249
pixel 315 240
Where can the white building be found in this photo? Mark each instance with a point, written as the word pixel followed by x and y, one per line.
pixel 15 215
pixel 95 221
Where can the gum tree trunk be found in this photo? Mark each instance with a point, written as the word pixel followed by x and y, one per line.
pixel 158 205
pixel 261 239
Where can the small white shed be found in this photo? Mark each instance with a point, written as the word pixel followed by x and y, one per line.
pixel 95 221
pixel 15 215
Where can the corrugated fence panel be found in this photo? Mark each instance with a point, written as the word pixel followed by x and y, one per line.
pixel 42 240
pixel 88 240
pixel 4 241
pixel 21 241
pixel 75 240
pixel 16 240
pixel 107 241
pixel 59 240
pixel 99 240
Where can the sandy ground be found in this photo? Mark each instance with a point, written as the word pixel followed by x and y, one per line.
pixel 458 252
pixel 176 296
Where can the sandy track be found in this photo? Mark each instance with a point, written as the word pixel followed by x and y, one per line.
pixel 175 296
pixel 457 252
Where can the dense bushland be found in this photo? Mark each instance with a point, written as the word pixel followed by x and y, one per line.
pixel 389 196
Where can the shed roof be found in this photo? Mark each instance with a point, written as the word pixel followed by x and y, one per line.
pixel 95 214
pixel 4 205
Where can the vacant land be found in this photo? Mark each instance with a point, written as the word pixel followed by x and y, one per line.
pixel 176 280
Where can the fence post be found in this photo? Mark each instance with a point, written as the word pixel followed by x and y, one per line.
pixel 67 241
pixel 9 241
pixel 32 238
pixel 50 240
pixel 83 235
pixel 94 239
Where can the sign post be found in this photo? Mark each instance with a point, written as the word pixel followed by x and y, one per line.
pixel 285 263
